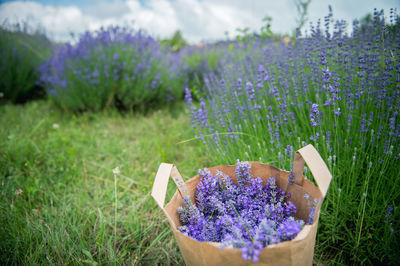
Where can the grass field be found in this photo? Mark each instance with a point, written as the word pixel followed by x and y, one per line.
pixel 60 201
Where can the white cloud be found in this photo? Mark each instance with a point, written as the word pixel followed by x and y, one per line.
pixel 158 17
pixel 197 19
pixel 58 22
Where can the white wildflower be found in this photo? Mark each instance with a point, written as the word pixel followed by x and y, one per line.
pixel 116 171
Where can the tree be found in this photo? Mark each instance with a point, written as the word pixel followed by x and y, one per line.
pixel 302 11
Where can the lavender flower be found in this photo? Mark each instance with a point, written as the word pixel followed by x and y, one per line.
pixel 188 97
pixel 251 251
pixel 250 90
pixel 314 116
pixel 336 88
pixel 247 215
pixel 114 66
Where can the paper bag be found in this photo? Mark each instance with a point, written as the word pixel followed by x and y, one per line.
pixel 299 251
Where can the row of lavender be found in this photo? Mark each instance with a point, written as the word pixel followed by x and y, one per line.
pixel 337 91
pixel 115 67
pixel 21 54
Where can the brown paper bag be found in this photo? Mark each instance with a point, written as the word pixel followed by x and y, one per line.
pixel 299 251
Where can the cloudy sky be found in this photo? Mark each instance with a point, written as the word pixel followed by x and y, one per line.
pixel 197 19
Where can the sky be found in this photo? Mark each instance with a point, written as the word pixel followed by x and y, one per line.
pixel 198 20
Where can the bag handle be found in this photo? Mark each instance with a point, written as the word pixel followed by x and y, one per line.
pixel 319 170
pixel 161 182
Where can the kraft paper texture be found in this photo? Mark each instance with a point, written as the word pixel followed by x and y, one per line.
pixel 299 251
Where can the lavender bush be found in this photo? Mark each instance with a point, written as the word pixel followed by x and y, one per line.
pixel 338 91
pixel 21 54
pixel 246 215
pixel 198 61
pixel 111 67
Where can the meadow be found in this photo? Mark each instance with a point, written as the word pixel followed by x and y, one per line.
pixel 77 165
pixel 60 203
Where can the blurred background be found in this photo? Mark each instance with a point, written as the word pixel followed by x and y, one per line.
pixel 198 20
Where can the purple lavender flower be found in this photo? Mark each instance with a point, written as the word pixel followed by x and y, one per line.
pixel 289 228
pixel 315 138
pixel 188 97
pixel 291 177
pixel 312 204
pixel 314 116
pixel 289 150
pixel 239 84
pixel 243 173
pixel 327 75
pixel 251 251
pixel 337 112
pixel 247 215
pixel 389 212
pixel 250 90
pixel 322 59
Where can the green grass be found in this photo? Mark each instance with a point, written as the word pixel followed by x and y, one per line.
pixel 66 211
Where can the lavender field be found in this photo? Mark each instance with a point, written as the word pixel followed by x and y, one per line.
pixel 121 99
pixel 340 93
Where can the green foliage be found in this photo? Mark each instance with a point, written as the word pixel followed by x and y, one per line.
pixel 176 42
pixel 243 34
pixel 302 12
pixel 265 33
pixel 21 54
pixel 199 62
pixel 368 20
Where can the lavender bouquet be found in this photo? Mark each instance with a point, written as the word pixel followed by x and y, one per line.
pixel 246 215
